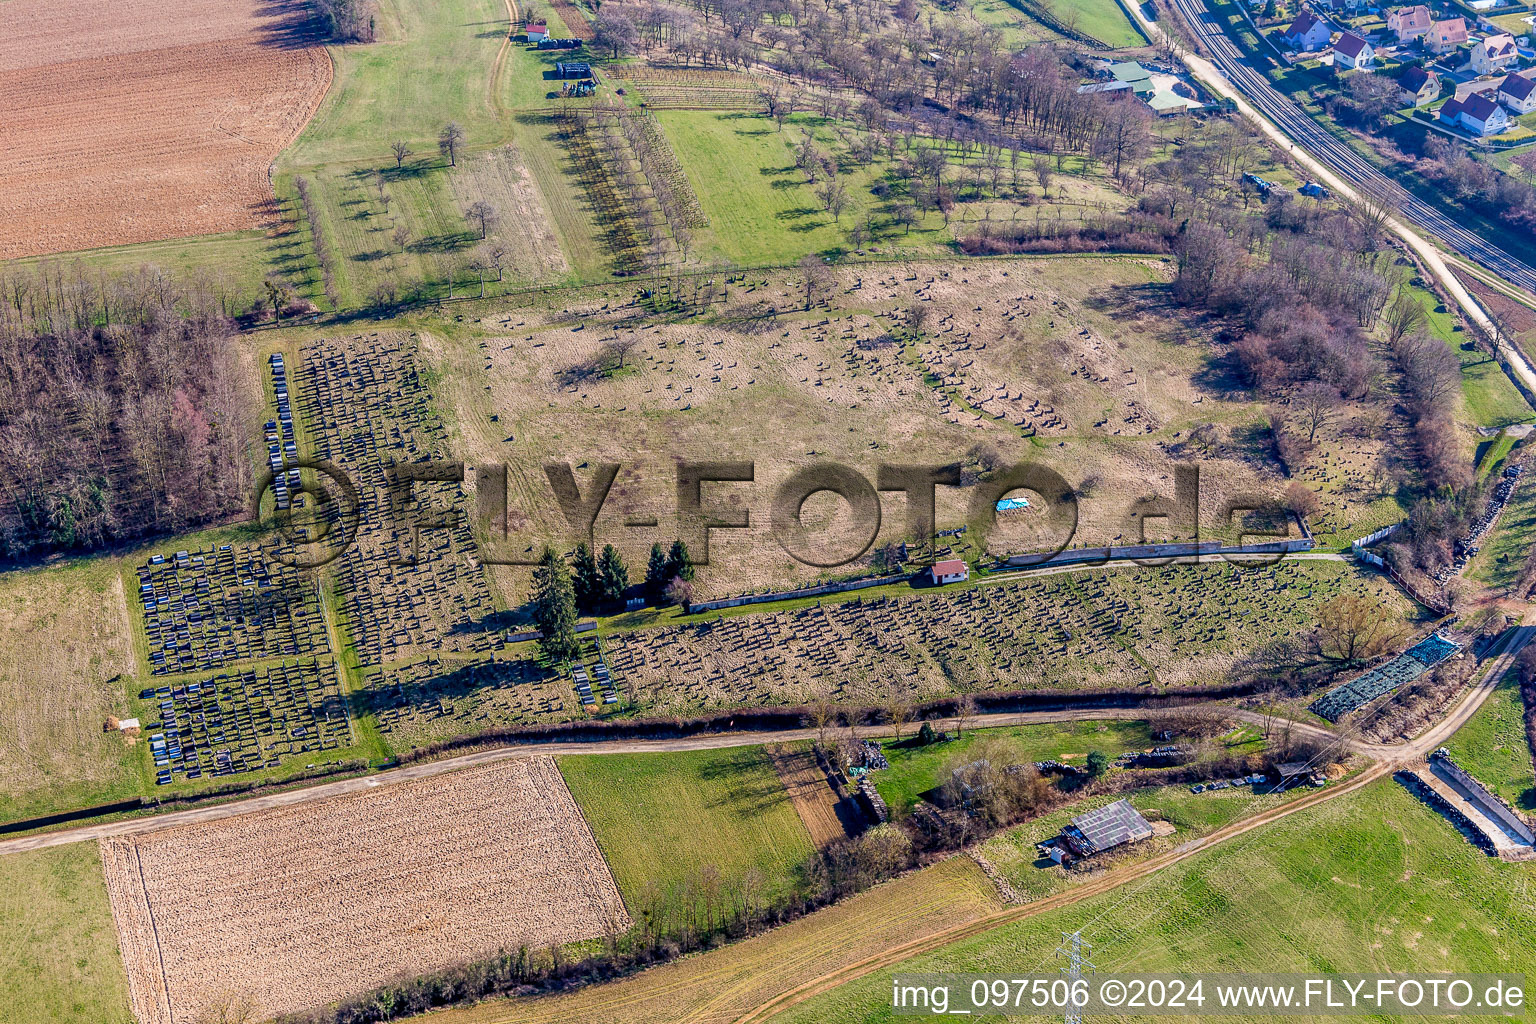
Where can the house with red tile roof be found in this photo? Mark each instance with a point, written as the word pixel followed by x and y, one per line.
pixel 1409 23
pixel 1494 54
pixel 1307 34
pixel 1445 36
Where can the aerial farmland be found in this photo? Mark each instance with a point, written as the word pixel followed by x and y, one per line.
pixel 668 511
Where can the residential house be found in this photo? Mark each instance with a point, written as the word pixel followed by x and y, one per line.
pixel 1476 114
pixel 1418 86
pixel 1494 54
pixel 1409 23
pixel 1445 36
pixel 1518 93
pixel 536 32
pixel 1353 52
pixel 1307 34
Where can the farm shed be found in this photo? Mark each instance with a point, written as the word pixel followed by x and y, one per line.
pixel 1108 827
pixel 573 69
pixel 953 570
pixel 1296 773
pixel 537 33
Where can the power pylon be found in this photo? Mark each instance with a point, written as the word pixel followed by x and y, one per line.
pixel 1072 948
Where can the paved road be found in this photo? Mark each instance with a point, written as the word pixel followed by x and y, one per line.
pixel 1340 156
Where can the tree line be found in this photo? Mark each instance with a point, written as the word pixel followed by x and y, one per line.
pixel 125 409
pixel 596 584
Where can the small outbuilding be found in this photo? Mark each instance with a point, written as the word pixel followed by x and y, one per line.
pixel 953 570
pixel 537 32
pixel 1107 828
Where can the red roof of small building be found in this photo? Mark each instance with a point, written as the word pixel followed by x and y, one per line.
pixel 1413 19
pixel 951 567
pixel 538 27
pixel 1350 45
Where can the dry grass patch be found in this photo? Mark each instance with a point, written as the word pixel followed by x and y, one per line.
pixel 523 226
pixel 827 816
pixel 1081 364
pixel 294 907
pixel 66 640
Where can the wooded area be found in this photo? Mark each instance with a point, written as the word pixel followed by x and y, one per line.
pixel 125 409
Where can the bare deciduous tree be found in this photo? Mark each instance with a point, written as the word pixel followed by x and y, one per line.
pixel 1352 628
pixel 1316 404
pixel 496 256
pixel 449 141
pixel 1405 314
pixel 483 215
pixel 817 277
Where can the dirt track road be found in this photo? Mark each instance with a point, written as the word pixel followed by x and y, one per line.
pixel 717 741
pixel 1409 751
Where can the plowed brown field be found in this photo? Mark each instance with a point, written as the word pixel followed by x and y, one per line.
pixel 294 907
pixel 146 120
pixel 827 817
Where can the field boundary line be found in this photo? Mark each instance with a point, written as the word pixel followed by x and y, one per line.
pixel 1397 755
pixel 154 934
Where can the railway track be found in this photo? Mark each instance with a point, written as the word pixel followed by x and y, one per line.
pixel 1342 158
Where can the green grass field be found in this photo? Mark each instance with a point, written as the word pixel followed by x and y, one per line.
pixel 433 65
pixel 662 819
pixel 1489 398
pixel 1504 550
pixel 238 260
pixel 915 770
pixel 59 962
pixel 761 208
pixel 1012 852
pixel 759 205
pixel 1372 882
pixel 1105 20
pixel 1493 746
